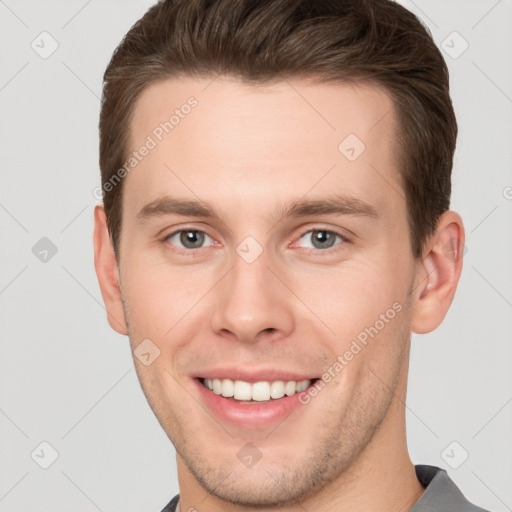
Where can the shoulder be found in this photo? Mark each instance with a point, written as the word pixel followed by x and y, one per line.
pixel 171 506
pixel 441 493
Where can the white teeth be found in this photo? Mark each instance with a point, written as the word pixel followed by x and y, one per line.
pixel 258 391
pixel 228 388
pixel 302 385
pixel 217 386
pixel 277 389
pixel 290 387
pixel 242 390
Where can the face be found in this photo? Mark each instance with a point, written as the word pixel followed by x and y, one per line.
pixel 265 252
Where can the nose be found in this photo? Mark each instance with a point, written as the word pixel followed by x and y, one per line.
pixel 252 303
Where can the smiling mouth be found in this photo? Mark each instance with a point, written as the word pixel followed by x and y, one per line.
pixel 255 392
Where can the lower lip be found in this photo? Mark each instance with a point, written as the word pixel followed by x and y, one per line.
pixel 254 415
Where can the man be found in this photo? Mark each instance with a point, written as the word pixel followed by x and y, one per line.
pixel 275 224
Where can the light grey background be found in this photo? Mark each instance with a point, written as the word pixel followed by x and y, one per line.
pixel 66 378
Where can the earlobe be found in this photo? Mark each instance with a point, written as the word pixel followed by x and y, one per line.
pixel 107 272
pixel 438 273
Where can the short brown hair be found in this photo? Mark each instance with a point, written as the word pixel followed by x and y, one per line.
pixel 257 41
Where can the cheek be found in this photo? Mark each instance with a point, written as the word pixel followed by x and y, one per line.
pixel 351 298
pixel 161 295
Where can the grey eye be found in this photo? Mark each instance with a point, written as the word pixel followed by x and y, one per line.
pixel 189 239
pixel 320 239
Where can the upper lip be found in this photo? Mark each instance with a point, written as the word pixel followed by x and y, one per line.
pixel 270 375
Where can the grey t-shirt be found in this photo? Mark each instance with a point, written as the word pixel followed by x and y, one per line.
pixel 441 494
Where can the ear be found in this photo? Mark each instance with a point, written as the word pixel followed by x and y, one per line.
pixel 107 271
pixel 438 273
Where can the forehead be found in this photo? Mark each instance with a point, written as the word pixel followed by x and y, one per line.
pixel 224 140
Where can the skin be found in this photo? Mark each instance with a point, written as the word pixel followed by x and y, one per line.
pixel 246 151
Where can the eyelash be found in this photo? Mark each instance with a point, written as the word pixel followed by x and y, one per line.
pixel 182 250
pixel 193 252
pixel 329 250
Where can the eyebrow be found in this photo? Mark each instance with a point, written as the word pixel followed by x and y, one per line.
pixel 172 206
pixel 331 205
